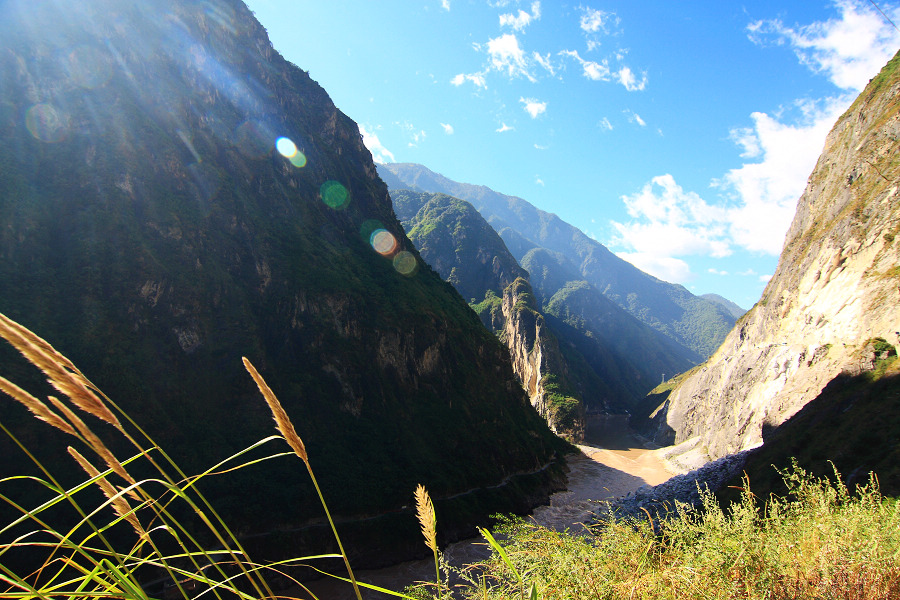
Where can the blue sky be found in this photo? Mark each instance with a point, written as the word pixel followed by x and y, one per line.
pixel 678 134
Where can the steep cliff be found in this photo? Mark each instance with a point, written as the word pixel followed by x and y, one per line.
pixel 462 247
pixel 174 195
pixel 538 362
pixel 613 359
pixel 833 304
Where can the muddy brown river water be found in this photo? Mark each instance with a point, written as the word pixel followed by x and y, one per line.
pixel 613 462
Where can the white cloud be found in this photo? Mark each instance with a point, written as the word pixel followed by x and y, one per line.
pixel 767 191
pixel 534 107
pixel 592 70
pixel 605 124
pixel 539 181
pixel 507 56
pixel 448 129
pixel 504 128
pixel 748 273
pixel 413 134
pixel 626 77
pixel 849 49
pixel 523 19
pixel 545 62
pixel 663 210
pixel 666 268
pixel 539 147
pixel 633 117
pixel 476 78
pixel 764 278
pixel 717 272
pixel 445 4
pixel 593 20
pixel 380 154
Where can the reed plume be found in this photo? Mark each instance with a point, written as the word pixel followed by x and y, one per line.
pixel 284 425
pixel 428 521
pixel 118 502
pixel 282 421
pixel 95 443
pixel 37 408
pixel 60 372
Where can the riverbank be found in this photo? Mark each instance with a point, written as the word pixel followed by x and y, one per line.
pixel 600 473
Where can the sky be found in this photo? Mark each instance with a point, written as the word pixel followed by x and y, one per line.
pixel 678 134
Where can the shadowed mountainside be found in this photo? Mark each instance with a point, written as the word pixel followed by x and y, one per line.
pixel 175 195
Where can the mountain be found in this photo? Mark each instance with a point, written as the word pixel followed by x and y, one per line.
pixel 454 238
pixel 695 324
pixel 827 320
pixel 733 309
pixel 175 195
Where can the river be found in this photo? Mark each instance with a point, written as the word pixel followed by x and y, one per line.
pixel 613 462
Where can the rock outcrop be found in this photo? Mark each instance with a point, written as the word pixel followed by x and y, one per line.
pixel 538 362
pixel 464 249
pixel 833 304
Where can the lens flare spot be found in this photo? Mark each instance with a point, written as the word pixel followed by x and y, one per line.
pixel 383 241
pixel 335 195
pixel 45 123
pixel 286 147
pixel 368 228
pixel 405 263
pixel 298 160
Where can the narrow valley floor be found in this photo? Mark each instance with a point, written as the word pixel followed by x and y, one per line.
pixel 612 463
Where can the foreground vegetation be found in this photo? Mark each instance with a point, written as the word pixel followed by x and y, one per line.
pixel 139 528
pixel 819 541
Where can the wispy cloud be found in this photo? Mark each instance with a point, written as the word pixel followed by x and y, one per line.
pixel 380 154
pixel 445 4
pixel 539 181
pixel 766 191
pixel 757 200
pixel 523 19
pixel 663 210
pixel 476 78
pixel 592 70
pixel 533 107
pixel 848 50
pixel 413 134
pixel 545 62
pixel 448 129
pixel 596 23
pixel 504 128
pixel 604 124
pixel 626 77
pixel 540 147
pixel 507 56
pixel 593 20
pixel 633 117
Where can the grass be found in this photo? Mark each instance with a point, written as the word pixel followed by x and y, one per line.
pixel 118 533
pixel 817 542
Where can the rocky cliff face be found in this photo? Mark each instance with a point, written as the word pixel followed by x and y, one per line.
pixel 174 195
pixel 834 301
pixel 538 362
pixel 462 247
